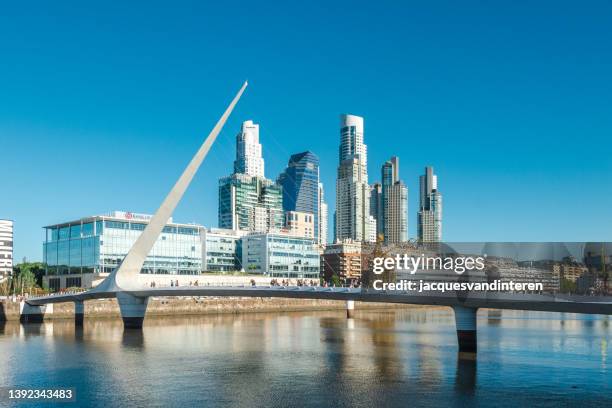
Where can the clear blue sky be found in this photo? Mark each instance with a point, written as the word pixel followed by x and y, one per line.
pixel 101 106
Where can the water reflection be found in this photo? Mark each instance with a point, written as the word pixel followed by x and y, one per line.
pixel 133 339
pixel 382 357
pixel 465 377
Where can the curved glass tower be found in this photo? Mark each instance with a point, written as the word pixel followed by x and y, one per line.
pixel 300 183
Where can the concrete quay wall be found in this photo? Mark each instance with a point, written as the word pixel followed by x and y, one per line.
pixel 168 306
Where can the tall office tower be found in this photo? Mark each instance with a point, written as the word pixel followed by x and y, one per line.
pixel 300 183
pixel 322 216
pixel 353 219
pixel 376 207
pixel 248 151
pixel 250 204
pixel 247 200
pixel 395 203
pixel 429 228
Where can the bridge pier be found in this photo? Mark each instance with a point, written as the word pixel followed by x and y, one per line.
pixel 465 321
pixel 33 314
pixel 350 309
pixel 132 310
pixel 79 313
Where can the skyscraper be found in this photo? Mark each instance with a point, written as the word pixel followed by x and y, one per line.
pixel 250 203
pixel 430 208
pixel 353 219
pixel 322 216
pixel 248 151
pixel 394 203
pixel 247 200
pixel 376 207
pixel 300 183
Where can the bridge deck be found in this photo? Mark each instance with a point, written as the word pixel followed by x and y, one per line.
pixel 515 301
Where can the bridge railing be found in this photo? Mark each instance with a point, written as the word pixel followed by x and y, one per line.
pixel 154 284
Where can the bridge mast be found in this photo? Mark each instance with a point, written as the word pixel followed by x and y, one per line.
pixel 124 279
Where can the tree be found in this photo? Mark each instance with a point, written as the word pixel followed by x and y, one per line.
pixel 26 278
pixel 335 280
pixel 36 268
pixel 567 286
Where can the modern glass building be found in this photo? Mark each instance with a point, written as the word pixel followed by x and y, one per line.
pixel 280 255
pixel 83 252
pixel 300 183
pixel 222 250
pixel 376 208
pixel 394 203
pixel 429 217
pixel 249 203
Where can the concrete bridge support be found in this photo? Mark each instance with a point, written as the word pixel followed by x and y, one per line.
pixel 465 320
pixel 350 309
pixel 33 314
pixel 79 313
pixel 132 310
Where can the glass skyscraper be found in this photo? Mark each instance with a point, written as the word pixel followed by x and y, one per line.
pixel 389 204
pixel 395 203
pixel 250 204
pixel 376 208
pixel 429 217
pixel 300 184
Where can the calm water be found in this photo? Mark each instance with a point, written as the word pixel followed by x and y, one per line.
pixel 401 358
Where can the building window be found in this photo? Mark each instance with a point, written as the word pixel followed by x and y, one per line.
pixel 73 282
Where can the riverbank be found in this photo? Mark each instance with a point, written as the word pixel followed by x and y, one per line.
pixel 182 306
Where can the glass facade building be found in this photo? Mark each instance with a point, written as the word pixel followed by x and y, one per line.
pixel 222 250
pixel 300 184
pixel 280 255
pixel 429 217
pixel 249 203
pixel 394 197
pixel 79 252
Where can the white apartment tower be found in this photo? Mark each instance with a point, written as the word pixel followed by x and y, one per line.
pixel 249 159
pixel 322 216
pixel 353 219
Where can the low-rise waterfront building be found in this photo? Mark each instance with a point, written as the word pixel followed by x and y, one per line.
pixel 571 272
pixel 342 259
pixel 280 255
pixel 221 250
pixel 82 252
